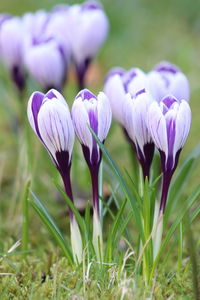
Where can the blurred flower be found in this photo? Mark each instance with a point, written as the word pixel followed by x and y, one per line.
pixel 35 23
pixel 47 62
pixel 169 124
pixel 167 79
pixel 87 28
pixel 135 121
pixel 89 110
pixel 11 49
pixel 120 82
pixel 50 118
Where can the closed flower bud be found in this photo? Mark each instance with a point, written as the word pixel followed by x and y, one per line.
pixel 89 110
pixel 135 121
pixel 118 83
pixel 87 29
pixel 50 118
pixel 167 79
pixel 169 124
pixel 46 61
pixel 11 49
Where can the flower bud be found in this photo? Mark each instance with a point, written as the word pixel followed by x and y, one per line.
pixel 11 49
pixel 50 118
pixel 89 110
pixel 46 61
pixel 169 124
pixel 135 122
pixel 118 83
pixel 167 79
pixel 87 29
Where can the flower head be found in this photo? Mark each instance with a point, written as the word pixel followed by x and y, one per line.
pixel 120 82
pixel 135 122
pixel 169 124
pixel 87 29
pixel 46 60
pixel 167 79
pixel 89 110
pixel 50 118
pixel 11 48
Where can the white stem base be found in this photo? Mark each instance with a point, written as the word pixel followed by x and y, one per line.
pixel 76 242
pixel 97 236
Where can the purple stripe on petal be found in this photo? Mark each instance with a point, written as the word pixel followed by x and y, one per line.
pixel 167 67
pixel 36 104
pixel 140 92
pixel 171 132
pixel 115 71
pixel 50 95
pixel 128 77
pixel 86 95
pixel 168 102
pixel 90 5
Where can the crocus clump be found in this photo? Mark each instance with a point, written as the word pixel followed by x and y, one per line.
pixel 169 124
pixel 94 112
pixel 50 119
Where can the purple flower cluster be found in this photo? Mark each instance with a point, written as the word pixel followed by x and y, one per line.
pixel 153 110
pixel 43 44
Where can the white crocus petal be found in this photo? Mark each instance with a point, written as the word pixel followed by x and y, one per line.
pixel 35 100
pixel 138 83
pixel 156 85
pixel 45 64
pixel 58 97
pixel 81 122
pixel 128 109
pixel 55 127
pixel 139 116
pixel 180 87
pixel 114 90
pixel 104 116
pixel 157 127
pixel 183 123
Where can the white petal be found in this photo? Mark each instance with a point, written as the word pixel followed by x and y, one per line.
pixel 81 122
pixel 157 127
pixel 104 116
pixel 180 87
pixel 114 90
pixel 56 129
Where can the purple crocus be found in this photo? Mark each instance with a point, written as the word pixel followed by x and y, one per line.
pixel 89 110
pixel 169 124
pixel 50 118
pixel 135 122
pixel 87 28
pixel 46 60
pixel 11 49
pixel 167 79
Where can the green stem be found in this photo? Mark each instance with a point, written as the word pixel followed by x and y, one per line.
pixel 25 224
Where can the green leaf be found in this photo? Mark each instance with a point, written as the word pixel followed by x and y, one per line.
pixel 122 183
pixel 50 224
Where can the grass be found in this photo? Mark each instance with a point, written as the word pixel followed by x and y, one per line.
pixel 142 33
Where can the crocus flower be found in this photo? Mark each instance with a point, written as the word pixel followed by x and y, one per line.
pixel 169 124
pixel 167 79
pixel 89 110
pixel 135 121
pixel 120 82
pixel 87 29
pixel 11 49
pixel 51 121
pixel 46 61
